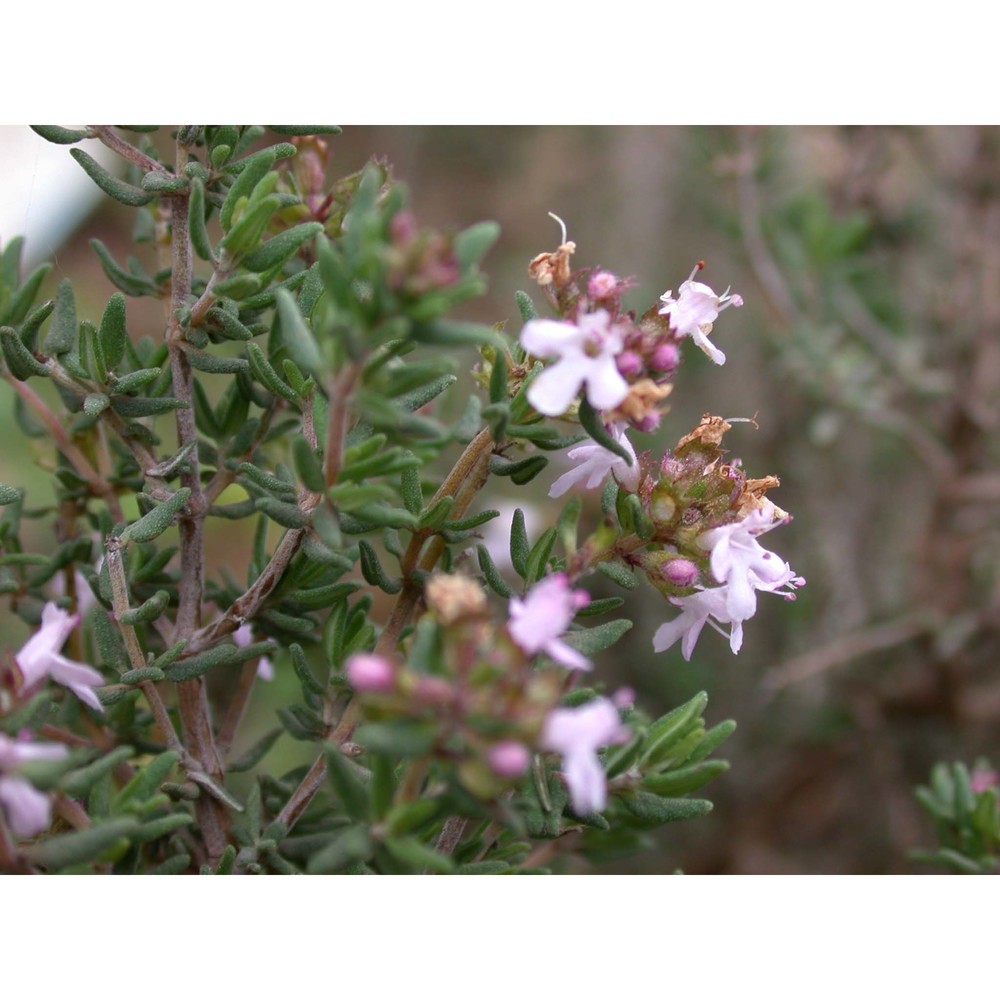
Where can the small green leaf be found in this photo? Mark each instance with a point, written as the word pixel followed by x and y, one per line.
pixel 127 194
pixel 519 547
pixel 61 337
pixel 59 135
pixel 158 519
pixel 21 362
pixel 593 640
pixel 593 424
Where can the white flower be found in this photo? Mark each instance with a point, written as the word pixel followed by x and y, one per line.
pixel 537 622
pixel 696 609
pixel 27 810
pixel 576 734
pixel 40 657
pixel 586 354
pixel 744 565
pixel 694 311
pixel 595 462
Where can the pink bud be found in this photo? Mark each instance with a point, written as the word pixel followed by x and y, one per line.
pixel 623 698
pixel 648 423
pixel 601 285
pixel 509 759
pixel 665 358
pixel 629 363
pixel 736 301
pixel 680 572
pixel 370 673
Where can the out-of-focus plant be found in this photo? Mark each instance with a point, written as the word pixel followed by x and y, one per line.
pixel 294 389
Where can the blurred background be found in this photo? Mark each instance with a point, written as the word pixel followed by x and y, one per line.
pixel 869 352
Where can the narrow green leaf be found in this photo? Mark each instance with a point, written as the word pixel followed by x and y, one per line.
pixel 131 284
pixel 651 810
pixel 21 362
pixel 491 574
pixel 148 611
pixel 372 570
pixel 593 424
pixel 127 194
pixel 61 337
pixel 306 129
pixel 256 753
pixel 277 250
pixel 666 731
pixel 59 135
pixel 197 228
pixel 157 520
pixel 81 846
pixel 519 547
pixel 525 306
pixel 593 640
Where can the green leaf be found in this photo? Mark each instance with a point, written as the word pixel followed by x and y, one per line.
pixel 112 336
pixel 200 240
pixel 525 306
pixel 296 335
pixel 158 519
pixel 346 782
pixel 401 738
pixel 538 557
pixel 127 194
pixel 455 333
pixel 59 135
pixel 651 810
pixel 491 574
pixel 519 548
pixel 215 364
pixel 666 731
pixel 253 170
pixel 267 376
pixel 279 249
pixel 148 611
pixel 685 779
pixel 78 782
pixel 82 845
pixel 417 855
pixel 131 284
pixel 472 244
pixel 593 640
pixel 61 337
pixel 21 302
pixel 348 847
pixel 146 783
pixel 163 182
pixel 372 570
pixel 713 739
pixel 21 362
pixel 620 573
pixel 593 424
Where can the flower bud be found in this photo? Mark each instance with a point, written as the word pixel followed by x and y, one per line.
pixel 680 572
pixel 509 759
pixel 369 673
pixel 602 285
pixel 665 358
pixel 629 363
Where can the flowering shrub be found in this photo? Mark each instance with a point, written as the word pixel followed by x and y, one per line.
pixel 295 391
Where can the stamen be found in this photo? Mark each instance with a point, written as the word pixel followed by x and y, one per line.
pixel 562 224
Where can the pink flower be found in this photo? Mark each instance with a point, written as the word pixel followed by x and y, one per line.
pixel 694 311
pixel 744 565
pixel 586 353
pixel 697 609
pixel 983 778
pixel 27 810
pixel 243 636
pixel 537 622
pixel 367 672
pixel 596 462
pixel 39 657
pixel 509 759
pixel 576 734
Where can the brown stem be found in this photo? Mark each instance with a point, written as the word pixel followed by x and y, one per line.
pixel 451 834
pixel 115 142
pixel 463 482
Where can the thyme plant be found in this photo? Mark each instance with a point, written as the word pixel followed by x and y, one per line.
pixel 298 396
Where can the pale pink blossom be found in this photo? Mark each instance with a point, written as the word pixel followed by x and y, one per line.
pixel 538 621
pixel 26 810
pixel 694 311
pixel 744 565
pixel 595 463
pixel 697 609
pixel 367 672
pixel 243 636
pixel 983 778
pixel 509 759
pixel 585 353
pixel 39 658
pixel 576 734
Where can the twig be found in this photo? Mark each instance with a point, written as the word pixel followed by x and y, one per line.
pixel 844 648
pixel 451 834
pixel 115 142
pixel 237 707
